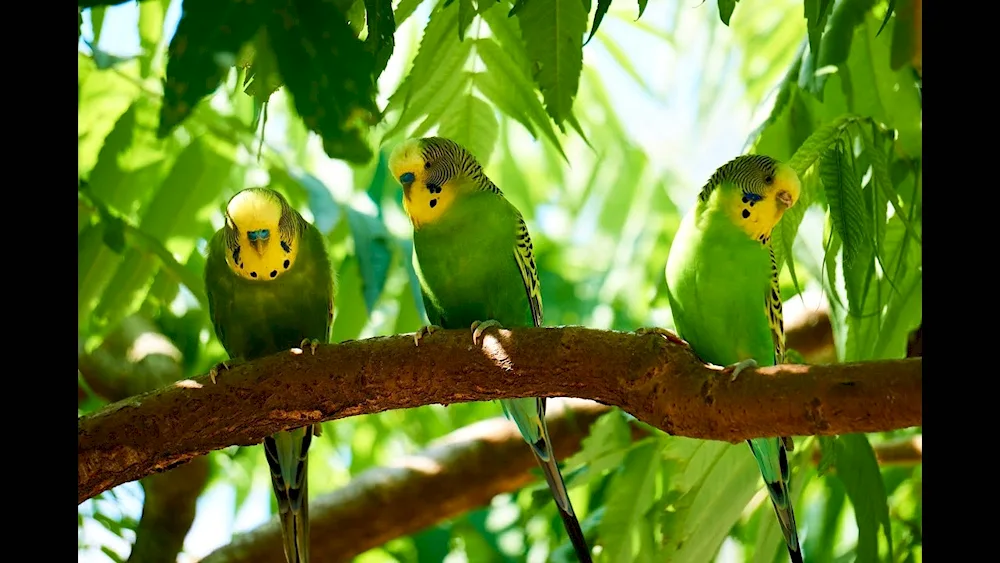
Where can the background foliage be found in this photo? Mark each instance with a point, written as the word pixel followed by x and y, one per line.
pixel 309 96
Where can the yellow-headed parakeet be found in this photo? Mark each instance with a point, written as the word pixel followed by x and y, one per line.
pixel 722 285
pixel 475 263
pixel 270 288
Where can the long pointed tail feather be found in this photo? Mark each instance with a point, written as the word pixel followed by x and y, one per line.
pixel 778 487
pixel 287 457
pixel 558 488
pixel 529 415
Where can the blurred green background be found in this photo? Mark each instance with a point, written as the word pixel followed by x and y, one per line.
pixel 657 103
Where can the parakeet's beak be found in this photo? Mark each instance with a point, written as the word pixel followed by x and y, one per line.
pixel 259 246
pixel 258 240
pixel 784 199
pixel 406 180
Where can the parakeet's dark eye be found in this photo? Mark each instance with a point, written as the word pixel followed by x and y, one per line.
pixel 768 179
pixel 750 196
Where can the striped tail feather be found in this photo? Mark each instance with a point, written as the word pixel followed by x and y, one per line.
pixel 777 479
pixel 529 415
pixel 287 457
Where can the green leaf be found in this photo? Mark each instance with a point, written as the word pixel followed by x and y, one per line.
pixel 518 4
pixel 847 205
pixel 499 63
pixel 373 248
pixel 818 142
pixel 726 8
pixel 262 76
pixel 208 37
pixel 381 28
pixel 405 9
pixel 633 490
pixel 466 13
pixel 553 34
pixel 354 12
pixel 507 32
pixel 602 9
pixel 858 470
pixel 890 98
pixel 329 73
pixel 496 91
pixel 817 12
pixel 439 58
pixel 97 22
pixel 609 440
pixel 882 179
pixel 351 313
pixel 716 481
pixel 642 8
pixel 194 183
pixel 472 124
pixel 888 13
pixel 151 16
pixel 835 44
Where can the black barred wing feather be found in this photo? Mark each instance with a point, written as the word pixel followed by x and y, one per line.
pixel 775 318
pixel 525 257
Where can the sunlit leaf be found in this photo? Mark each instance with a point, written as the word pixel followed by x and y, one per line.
pixel 553 34
pixel 208 37
pixel 373 248
pixel 726 8
pixel 328 71
pixel 858 470
pixel 381 27
pixel 602 9
pixel 471 123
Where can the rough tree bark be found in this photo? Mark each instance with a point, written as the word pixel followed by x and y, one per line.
pixel 455 474
pixel 135 358
pixel 659 382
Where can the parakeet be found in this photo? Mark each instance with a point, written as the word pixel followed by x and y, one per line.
pixel 476 267
pixel 271 288
pixel 722 285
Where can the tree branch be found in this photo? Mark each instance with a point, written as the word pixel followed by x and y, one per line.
pixel 660 383
pixel 136 357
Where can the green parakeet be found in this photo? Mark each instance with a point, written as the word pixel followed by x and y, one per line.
pixel 270 288
pixel 722 285
pixel 475 263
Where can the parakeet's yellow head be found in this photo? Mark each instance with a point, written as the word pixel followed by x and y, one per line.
pixel 261 234
pixel 756 190
pixel 434 171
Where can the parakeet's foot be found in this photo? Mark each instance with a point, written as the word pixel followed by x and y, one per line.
pixel 736 368
pixel 213 373
pixel 662 332
pixel 312 342
pixel 424 331
pixel 479 326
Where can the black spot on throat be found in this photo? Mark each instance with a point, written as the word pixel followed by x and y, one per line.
pixel 433 188
pixel 253 274
pixel 285 246
pixel 434 202
pixel 746 213
pixel 274 273
pixel 286 264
